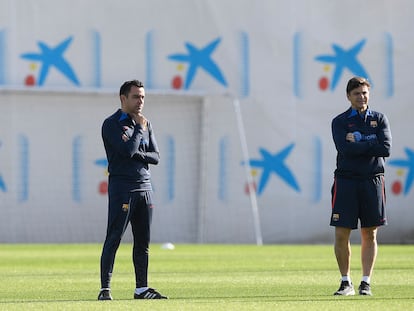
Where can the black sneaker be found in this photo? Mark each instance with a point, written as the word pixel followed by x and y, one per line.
pixel 365 289
pixel 150 293
pixel 346 289
pixel 105 294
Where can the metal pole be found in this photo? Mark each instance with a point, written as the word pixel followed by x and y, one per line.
pixel 252 191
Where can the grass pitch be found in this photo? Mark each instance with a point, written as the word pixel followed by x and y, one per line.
pixel 202 277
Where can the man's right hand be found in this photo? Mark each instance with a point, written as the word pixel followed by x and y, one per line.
pixel 140 119
pixel 350 137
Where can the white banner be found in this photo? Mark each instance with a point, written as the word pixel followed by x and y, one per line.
pixel 287 63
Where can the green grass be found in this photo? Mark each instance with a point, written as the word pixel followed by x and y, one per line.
pixel 202 277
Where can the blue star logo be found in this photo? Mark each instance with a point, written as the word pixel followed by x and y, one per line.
pixel 53 57
pixel 344 59
pixel 200 58
pixel 102 162
pixel 406 163
pixel 2 183
pixel 274 164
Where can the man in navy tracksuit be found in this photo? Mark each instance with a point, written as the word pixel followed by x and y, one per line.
pixel 130 147
pixel 362 138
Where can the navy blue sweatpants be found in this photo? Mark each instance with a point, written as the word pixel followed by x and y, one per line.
pixel 127 207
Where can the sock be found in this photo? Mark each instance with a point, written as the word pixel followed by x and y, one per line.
pixel 366 279
pixel 140 290
pixel 346 278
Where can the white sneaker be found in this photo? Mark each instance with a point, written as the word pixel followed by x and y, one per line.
pixel 346 289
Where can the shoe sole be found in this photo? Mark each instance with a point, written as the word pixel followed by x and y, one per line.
pixel 347 294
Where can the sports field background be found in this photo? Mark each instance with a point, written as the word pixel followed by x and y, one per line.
pixel 202 277
pixel 52 161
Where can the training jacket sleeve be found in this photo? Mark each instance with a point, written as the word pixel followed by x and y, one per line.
pixel 384 139
pixel 112 131
pixel 150 153
pixel 342 145
pixel 379 147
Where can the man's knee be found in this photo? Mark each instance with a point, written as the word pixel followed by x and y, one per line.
pixel 369 234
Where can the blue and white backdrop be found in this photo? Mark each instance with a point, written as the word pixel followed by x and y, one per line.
pixel 287 62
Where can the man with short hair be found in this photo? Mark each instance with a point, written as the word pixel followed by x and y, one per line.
pixel 362 139
pixel 130 148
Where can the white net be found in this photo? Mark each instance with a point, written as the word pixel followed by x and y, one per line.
pixel 54 175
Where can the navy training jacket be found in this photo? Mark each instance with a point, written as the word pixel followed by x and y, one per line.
pixel 363 158
pixel 129 150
